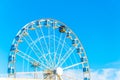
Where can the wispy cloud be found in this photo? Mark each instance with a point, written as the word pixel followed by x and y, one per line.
pixel 115 64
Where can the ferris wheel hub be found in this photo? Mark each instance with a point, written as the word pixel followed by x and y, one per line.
pixel 59 71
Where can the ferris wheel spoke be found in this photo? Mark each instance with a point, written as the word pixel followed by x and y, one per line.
pixel 74 65
pixel 63 44
pixel 50 58
pixel 39 40
pixel 49 39
pixel 45 43
pixel 57 49
pixel 59 57
pixel 41 48
pixel 54 40
pixel 26 57
pixel 42 63
pixel 29 58
pixel 66 56
pixel 31 48
pixel 47 62
pixel 59 42
pixel 44 39
pixel 34 43
pixel 35 51
pixel 62 62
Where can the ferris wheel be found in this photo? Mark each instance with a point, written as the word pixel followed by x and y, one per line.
pixel 47 49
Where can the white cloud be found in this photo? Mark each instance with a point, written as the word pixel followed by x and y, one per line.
pixel 100 74
pixel 105 74
pixel 72 75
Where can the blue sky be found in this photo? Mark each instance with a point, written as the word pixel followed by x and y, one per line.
pixel 96 22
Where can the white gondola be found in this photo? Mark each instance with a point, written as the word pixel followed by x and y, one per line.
pixel 18 38
pixel 14 48
pixel 24 32
pixel 38 24
pixel 11 70
pixel 83 59
pixel 45 23
pixel 31 27
pixel 68 35
pixel 85 69
pixel 74 42
pixel 80 50
pixel 11 58
pixel 86 78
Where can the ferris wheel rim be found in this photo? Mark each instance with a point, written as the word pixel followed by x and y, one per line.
pixel 56 21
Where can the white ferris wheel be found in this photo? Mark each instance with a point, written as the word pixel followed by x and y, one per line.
pixel 47 49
